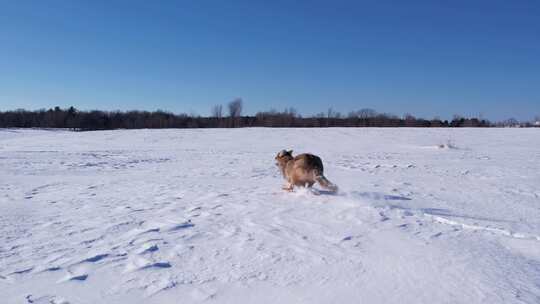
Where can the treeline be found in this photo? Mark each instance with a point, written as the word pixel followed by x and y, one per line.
pixel 74 119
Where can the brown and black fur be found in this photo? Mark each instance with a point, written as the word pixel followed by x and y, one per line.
pixel 302 170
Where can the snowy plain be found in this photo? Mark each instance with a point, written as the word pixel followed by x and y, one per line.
pixel 198 216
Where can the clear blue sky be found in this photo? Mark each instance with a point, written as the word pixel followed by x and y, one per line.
pixel 429 58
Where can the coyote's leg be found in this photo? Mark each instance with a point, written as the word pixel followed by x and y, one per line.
pixel 289 187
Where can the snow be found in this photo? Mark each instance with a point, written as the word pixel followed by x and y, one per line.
pixel 191 216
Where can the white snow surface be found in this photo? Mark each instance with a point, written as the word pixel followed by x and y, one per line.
pixel 196 216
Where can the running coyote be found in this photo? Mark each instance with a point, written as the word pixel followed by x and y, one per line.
pixel 302 170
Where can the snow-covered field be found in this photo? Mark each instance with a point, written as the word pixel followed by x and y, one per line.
pixel 190 216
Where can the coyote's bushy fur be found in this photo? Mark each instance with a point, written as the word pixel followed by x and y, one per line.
pixel 302 170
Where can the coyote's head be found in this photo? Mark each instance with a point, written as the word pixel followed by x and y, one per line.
pixel 282 158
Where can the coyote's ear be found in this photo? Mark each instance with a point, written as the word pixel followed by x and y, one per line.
pixel 290 152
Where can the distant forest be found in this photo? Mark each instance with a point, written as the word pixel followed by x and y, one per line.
pixel 231 117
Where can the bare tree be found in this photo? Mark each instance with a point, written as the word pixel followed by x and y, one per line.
pixel 235 111
pixel 511 122
pixel 330 113
pixel 217 111
pixel 235 108
pixel 367 113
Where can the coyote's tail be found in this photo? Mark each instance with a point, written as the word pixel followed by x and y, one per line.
pixel 325 183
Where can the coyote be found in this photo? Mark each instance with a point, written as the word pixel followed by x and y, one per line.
pixel 302 170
